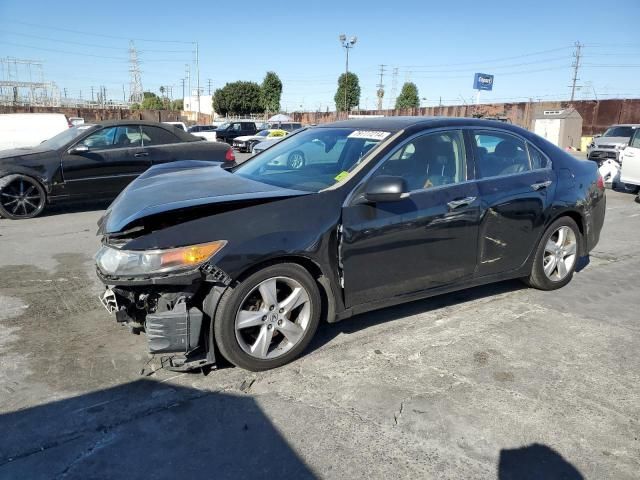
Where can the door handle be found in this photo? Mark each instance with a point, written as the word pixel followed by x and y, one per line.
pixel 541 185
pixel 453 204
pixel 141 154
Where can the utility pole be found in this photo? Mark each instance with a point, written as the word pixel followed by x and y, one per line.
pixel 182 81
pixel 394 88
pixel 188 71
pixel 124 95
pixel 91 94
pixel 198 78
pixel 577 54
pixel 65 92
pixel 209 86
pixel 380 86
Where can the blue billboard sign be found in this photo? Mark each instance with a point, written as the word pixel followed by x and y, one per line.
pixel 482 81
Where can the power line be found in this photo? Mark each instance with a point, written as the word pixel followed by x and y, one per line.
pixel 94 34
pixel 478 62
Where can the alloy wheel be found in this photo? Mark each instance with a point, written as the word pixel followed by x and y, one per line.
pixel 21 198
pixel 273 318
pixel 296 160
pixel 560 254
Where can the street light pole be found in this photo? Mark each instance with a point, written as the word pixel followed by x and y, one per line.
pixel 347 44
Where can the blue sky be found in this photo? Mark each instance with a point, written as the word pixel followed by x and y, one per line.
pixel 438 45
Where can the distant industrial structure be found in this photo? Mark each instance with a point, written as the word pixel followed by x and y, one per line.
pixel 22 82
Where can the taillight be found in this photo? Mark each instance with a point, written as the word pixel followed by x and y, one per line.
pixel 229 156
pixel 600 182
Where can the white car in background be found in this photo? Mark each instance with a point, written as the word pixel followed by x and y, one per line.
pixel 630 157
pixel 208 132
pixel 19 130
pixel 246 142
pixel 180 125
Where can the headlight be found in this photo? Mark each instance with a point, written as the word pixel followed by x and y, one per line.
pixel 620 147
pixel 147 262
pixel 592 144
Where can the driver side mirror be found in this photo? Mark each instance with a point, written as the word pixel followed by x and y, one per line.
pixel 78 150
pixel 386 188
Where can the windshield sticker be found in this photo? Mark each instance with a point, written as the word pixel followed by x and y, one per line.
pixel 369 134
pixel 341 176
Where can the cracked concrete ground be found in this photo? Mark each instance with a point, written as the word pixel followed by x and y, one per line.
pixel 494 382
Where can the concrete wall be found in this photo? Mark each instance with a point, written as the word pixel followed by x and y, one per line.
pixel 596 115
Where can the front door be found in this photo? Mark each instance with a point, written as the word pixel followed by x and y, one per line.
pixel 516 185
pixel 426 240
pixel 114 159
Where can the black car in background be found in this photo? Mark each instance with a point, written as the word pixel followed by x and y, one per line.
pixel 237 128
pixel 93 161
pixel 246 262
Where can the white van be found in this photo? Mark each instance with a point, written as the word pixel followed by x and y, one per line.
pixel 29 129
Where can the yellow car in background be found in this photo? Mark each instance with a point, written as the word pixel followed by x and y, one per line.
pixel 246 143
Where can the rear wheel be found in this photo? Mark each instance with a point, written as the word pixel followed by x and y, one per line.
pixel 269 318
pixel 557 255
pixel 21 197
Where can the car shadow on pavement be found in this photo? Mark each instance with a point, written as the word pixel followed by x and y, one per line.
pixel 328 331
pixel 535 462
pixel 146 429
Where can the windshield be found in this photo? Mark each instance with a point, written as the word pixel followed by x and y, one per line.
pixel 262 133
pixel 313 159
pixel 224 126
pixel 60 140
pixel 619 132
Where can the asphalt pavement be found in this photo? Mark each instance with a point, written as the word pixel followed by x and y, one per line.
pixel 499 381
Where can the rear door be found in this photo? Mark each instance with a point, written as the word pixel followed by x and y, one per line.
pixel 160 145
pixel 516 185
pixel 115 157
pixel 630 172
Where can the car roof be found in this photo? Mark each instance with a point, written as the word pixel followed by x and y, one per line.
pixel 395 124
pixel 625 125
pixel 165 126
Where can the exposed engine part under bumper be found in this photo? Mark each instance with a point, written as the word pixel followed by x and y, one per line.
pixel 172 321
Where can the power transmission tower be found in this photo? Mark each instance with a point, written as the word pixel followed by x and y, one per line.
pixel 136 94
pixel 380 88
pixel 394 88
pixel 577 54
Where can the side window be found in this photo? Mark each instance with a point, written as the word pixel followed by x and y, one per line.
pixel 236 127
pixel 500 154
pixel 127 136
pixel 429 160
pixel 538 160
pixel 635 141
pixel 101 139
pixel 157 136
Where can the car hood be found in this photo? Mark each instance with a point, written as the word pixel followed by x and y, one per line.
pixel 180 186
pixel 244 138
pixel 610 141
pixel 15 153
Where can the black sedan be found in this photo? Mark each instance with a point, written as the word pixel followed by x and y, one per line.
pixel 93 161
pixel 246 262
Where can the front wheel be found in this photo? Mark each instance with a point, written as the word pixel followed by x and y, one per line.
pixel 296 160
pixel 21 197
pixel 557 255
pixel 269 318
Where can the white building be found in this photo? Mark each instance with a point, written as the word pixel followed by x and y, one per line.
pixel 206 107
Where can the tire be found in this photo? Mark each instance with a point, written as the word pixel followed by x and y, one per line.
pixel 246 321
pixel 630 188
pixel 550 254
pixel 21 197
pixel 296 160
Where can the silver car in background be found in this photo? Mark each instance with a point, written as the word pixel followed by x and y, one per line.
pixel 611 143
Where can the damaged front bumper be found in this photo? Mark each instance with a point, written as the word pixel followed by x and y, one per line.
pixel 173 313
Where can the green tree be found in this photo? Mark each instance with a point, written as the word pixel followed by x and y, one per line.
pixel 177 104
pixel 219 102
pixel 351 84
pixel 271 91
pixel 238 98
pixel 151 102
pixel 408 97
